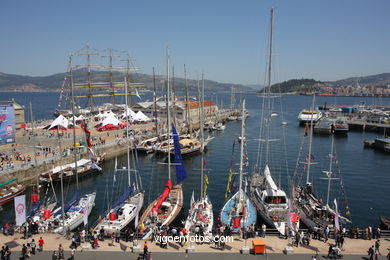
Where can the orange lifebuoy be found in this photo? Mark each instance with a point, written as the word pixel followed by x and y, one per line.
pixel 275 218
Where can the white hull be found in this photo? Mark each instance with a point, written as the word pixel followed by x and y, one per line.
pixel 200 208
pixel 130 209
pixel 76 218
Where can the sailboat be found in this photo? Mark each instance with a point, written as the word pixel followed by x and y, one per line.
pixel 312 211
pixel 71 215
pixel 201 212
pixel 129 204
pixel 270 200
pixel 163 210
pixel 239 211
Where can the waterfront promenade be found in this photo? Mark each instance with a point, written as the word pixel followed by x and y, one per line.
pixel 274 247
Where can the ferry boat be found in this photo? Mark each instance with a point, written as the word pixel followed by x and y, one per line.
pixel 306 116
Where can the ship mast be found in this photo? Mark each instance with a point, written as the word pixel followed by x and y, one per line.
pixel 202 141
pixel 189 123
pixel 168 117
pixel 310 142
pixel 73 121
pixel 242 149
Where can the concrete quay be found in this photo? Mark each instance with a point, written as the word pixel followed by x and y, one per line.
pixel 274 246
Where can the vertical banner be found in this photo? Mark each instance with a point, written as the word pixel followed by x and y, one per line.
pixel 336 217
pixel 7 124
pixel 86 209
pixel 20 209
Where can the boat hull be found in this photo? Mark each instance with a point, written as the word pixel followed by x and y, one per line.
pixel 229 212
pixel 150 221
pixel 10 197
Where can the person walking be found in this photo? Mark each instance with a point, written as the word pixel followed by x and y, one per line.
pixel 117 235
pixel 72 254
pixel 33 246
pixel 371 253
pixel 145 250
pixel 60 252
pixel 377 245
pixel 41 242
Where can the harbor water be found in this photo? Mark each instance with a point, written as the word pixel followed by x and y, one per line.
pixel 364 173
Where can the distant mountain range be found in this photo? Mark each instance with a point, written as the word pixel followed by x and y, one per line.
pixel 382 79
pixel 53 83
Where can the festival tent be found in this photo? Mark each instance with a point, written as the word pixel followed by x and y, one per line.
pixel 110 120
pixel 140 117
pixel 130 113
pixel 104 114
pixel 60 122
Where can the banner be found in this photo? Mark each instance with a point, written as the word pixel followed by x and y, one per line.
pixel 86 215
pixel 336 217
pixel 20 209
pixel 7 124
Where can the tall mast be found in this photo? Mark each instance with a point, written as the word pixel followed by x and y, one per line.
pixel 127 137
pixel 310 142
pixel 189 123
pixel 73 121
pixel 89 84
pixel 242 148
pixel 174 95
pixel 202 141
pixel 155 102
pixel 111 80
pixel 168 117
pixel 62 180
pixel 330 170
pixel 199 108
pixel 267 120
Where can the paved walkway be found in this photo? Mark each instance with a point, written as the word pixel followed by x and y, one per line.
pixel 274 245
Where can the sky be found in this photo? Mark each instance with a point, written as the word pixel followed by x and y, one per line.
pixel 226 40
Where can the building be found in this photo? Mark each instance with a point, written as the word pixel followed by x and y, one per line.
pixel 180 109
pixel 18 113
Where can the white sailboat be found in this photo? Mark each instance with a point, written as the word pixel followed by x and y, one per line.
pixel 270 200
pixel 201 211
pixel 129 204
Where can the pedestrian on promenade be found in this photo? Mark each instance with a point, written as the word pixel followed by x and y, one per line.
pixel 113 238
pixel 60 252
pixel 40 244
pixel 371 253
pixel 72 253
pixel 117 235
pixel 33 246
pixel 7 253
pixel 145 250
pixel 263 229
pixel 24 252
pixel 54 255
pixel 377 245
pixel 2 253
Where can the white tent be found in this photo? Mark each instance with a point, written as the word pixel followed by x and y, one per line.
pixel 60 121
pixel 104 114
pixel 141 117
pixel 110 120
pixel 130 113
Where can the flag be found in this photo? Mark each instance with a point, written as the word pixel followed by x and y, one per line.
pixel 206 182
pixel 20 209
pixel 136 93
pixel 137 216
pixel 336 217
pixel 86 215
pixel 306 130
pixel 87 134
pixel 94 165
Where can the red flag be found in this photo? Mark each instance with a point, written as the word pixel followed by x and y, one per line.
pixel 87 134
pixel 306 129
